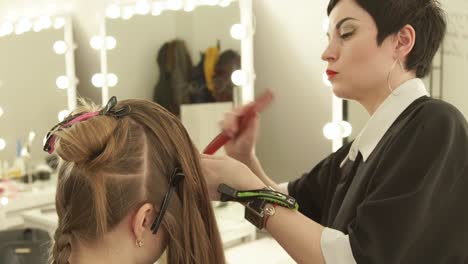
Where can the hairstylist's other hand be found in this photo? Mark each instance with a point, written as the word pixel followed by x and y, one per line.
pixel 241 146
pixel 217 170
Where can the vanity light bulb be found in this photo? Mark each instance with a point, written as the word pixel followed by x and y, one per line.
pixel 96 42
pixel 59 22
pixel 127 12
pixel 37 26
pixel 225 3
pixel 212 2
pixel 332 131
pixel 189 5
pixel 239 77
pixel 110 42
pixel 6 29
pixel 142 7
pixel 175 4
pixel 24 25
pixel 62 115
pixel 4 200
pixel 325 80
pixel 45 22
pixel 238 31
pixel 346 129
pixel 112 80
pixel 98 80
pixel 60 47
pixel 157 8
pixel 1 112
pixel 62 82
pixel 2 144
pixel 113 11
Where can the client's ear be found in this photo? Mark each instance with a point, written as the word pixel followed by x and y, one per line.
pixel 143 220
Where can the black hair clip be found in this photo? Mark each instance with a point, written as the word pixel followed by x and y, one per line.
pixel 110 111
pixel 177 176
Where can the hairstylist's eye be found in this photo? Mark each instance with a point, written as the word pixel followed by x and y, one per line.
pixel 346 35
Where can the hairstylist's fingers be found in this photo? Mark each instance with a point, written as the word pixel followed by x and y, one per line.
pixel 230 123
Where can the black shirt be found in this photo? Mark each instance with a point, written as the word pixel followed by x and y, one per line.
pixel 408 202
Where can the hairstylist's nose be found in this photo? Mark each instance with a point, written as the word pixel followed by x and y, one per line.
pixel 330 53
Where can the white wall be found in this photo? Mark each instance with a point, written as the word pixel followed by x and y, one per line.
pixel 288 43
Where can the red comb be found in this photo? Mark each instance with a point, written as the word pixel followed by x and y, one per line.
pixel 253 108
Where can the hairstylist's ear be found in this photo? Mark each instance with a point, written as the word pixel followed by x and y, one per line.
pixel 406 38
pixel 142 220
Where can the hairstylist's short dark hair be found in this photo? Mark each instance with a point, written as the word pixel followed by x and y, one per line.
pixel 426 17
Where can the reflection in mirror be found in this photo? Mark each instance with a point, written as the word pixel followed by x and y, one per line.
pixel 187 58
pixel 447 80
pixel 174 57
pixel 37 87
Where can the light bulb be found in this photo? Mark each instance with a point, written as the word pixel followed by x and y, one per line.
pixel 6 29
pixel 24 25
pixel 110 42
pixel 98 80
pixel 4 201
pixel 112 80
pixel 127 12
pixel 225 3
pixel 238 31
pixel 59 22
pixel 45 22
pixel 189 6
pixel 37 26
pixel 175 4
pixel 113 11
pixel 346 129
pixel 142 7
pixel 60 47
pixel 62 82
pixel 62 115
pixel 239 77
pixel 157 8
pixel 325 80
pixel 326 24
pixel 1 112
pixel 96 42
pixel 2 144
pixel 212 2
pixel 332 131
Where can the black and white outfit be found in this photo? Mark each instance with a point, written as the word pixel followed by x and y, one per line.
pixel 399 192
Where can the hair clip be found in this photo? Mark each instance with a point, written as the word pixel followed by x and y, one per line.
pixel 76 118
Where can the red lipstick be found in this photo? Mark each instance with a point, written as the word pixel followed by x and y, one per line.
pixel 331 74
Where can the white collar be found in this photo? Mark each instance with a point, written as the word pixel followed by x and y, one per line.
pixel 384 117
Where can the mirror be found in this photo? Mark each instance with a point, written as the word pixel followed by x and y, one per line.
pixel 156 56
pixel 37 84
pixel 184 55
pixel 446 80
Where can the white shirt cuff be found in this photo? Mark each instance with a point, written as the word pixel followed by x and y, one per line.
pixel 336 248
pixel 283 188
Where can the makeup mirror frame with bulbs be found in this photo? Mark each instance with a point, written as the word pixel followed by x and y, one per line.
pixel 245 77
pixel 66 47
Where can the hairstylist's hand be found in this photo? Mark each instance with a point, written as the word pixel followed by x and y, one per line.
pixel 242 144
pixel 217 170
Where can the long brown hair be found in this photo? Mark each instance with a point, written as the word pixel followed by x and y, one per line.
pixel 110 165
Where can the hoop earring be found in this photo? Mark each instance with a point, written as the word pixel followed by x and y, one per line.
pixel 139 243
pixel 389 74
